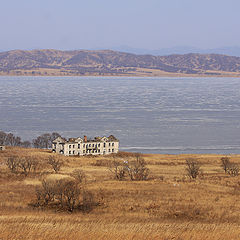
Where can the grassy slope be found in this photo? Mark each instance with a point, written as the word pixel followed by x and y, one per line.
pixel 168 206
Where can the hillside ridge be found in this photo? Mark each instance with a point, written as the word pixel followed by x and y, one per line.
pixel 114 63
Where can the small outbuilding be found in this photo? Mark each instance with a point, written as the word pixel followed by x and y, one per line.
pixel 2 147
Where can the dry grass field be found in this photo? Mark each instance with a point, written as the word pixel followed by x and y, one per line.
pixel 168 205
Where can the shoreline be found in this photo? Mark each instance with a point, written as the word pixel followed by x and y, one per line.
pixel 129 75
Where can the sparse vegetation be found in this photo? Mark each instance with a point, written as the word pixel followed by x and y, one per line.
pixel 193 168
pixel 231 168
pixel 85 197
pixel 225 161
pixel 55 162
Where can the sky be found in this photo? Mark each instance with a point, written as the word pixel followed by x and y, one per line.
pixel 94 24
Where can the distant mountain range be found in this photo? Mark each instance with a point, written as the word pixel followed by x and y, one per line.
pixel 114 63
pixel 231 51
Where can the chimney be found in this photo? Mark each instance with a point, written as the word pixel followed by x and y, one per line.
pixel 85 138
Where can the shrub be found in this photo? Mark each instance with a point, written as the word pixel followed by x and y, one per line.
pixel 12 163
pixel 193 168
pixel 233 169
pixel 27 164
pixel 225 162
pixel 55 162
pixel 137 169
pixel 66 194
pixel 79 175
pixel 118 169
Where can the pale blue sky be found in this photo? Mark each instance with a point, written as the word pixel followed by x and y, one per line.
pixel 89 24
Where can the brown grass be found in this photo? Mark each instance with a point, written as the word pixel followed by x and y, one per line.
pixel 167 206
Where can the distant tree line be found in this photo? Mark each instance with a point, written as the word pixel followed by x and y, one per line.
pixel 42 141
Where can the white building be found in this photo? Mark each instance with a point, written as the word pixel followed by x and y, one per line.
pixel 79 146
pixel 2 147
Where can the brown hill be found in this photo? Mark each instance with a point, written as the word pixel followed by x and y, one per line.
pixel 106 62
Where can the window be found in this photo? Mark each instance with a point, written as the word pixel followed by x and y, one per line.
pixel 73 146
pixel 109 150
pixel 69 152
pixel 109 144
pixel 84 145
pixel 73 152
pixel 104 145
pixel 99 144
pixel 90 145
pixel 93 145
pixel 83 151
pixel 78 145
pixel 112 144
pixel 70 146
pixel 99 150
pixel 112 150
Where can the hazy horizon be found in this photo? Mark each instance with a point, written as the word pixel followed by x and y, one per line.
pixel 151 25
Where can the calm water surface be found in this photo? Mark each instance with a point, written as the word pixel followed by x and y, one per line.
pixel 155 115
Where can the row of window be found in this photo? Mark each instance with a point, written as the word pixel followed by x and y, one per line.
pixel 91 151
pixel 91 145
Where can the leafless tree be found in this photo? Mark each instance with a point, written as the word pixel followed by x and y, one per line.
pixel 46 192
pixel 3 137
pixel 26 144
pixel 45 140
pixel 118 169
pixel 225 162
pixel 137 169
pixel 79 175
pixel 27 164
pixel 13 163
pixel 55 162
pixel 63 192
pixel 193 168
pixel 233 169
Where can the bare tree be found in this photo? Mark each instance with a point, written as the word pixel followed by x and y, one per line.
pixel 46 192
pixel 79 175
pixel 55 162
pixel 26 144
pixel 3 137
pixel 64 192
pixel 225 162
pixel 118 169
pixel 45 140
pixel 13 163
pixel 233 169
pixel 193 168
pixel 27 164
pixel 137 169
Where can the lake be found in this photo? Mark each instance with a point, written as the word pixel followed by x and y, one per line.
pixel 149 115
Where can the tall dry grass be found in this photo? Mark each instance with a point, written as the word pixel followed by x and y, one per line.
pixel 167 206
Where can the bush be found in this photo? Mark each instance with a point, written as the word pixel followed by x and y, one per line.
pixel 79 176
pixel 230 168
pixel 55 162
pixel 225 162
pixel 118 169
pixel 26 164
pixel 233 169
pixel 65 194
pixel 137 169
pixel 193 168
pixel 12 163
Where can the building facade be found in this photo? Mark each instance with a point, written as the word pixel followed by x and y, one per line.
pixel 80 147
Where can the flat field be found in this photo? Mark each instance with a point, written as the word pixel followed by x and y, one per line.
pixel 169 205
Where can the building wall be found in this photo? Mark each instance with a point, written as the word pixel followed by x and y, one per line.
pixel 86 148
pixel 2 147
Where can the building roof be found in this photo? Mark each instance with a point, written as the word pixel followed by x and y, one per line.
pixel 111 138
